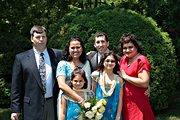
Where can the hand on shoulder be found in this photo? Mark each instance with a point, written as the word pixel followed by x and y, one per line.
pixel 90 53
pixel 119 78
pixel 95 74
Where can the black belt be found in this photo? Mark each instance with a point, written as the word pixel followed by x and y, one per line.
pixel 48 98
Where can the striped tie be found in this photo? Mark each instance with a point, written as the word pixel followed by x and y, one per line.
pixel 42 70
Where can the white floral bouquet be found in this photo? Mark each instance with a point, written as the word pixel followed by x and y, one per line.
pixel 93 110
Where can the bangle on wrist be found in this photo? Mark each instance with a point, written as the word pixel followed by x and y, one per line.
pixel 81 100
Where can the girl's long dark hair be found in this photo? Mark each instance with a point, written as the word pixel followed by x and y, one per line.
pixel 81 72
pixel 101 64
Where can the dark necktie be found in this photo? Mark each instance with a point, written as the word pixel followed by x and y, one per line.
pixel 42 70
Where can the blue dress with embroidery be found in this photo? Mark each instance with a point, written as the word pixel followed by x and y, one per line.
pixel 73 109
pixel 65 69
pixel 112 101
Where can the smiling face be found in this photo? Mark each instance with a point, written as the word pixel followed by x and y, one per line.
pixel 129 50
pixel 75 49
pixel 101 44
pixel 39 40
pixel 109 62
pixel 78 82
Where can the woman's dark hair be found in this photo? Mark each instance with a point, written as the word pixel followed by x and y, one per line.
pixel 79 71
pixel 67 55
pixel 101 64
pixel 127 38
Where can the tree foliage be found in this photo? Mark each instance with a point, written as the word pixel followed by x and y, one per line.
pixel 17 17
pixel 157 45
pixel 5 93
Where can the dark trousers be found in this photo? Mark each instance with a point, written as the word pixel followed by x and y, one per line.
pixel 49 110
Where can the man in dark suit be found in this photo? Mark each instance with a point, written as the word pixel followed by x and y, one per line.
pixel 30 95
pixel 101 43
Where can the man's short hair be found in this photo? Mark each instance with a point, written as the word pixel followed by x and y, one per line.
pixel 99 34
pixel 37 29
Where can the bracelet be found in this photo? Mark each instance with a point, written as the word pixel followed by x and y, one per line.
pixel 81 101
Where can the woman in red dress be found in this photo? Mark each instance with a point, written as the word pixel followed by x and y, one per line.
pixel 135 70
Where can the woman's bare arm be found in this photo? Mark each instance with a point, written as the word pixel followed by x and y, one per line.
pixel 63 109
pixel 141 81
pixel 120 103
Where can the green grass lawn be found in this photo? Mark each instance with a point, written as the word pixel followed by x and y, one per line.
pixel 4 114
pixel 172 113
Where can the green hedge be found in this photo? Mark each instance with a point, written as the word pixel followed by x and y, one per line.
pixel 5 93
pixel 11 44
pixel 157 45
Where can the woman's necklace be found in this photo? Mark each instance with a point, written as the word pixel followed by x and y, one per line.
pixel 75 64
pixel 131 60
pixel 80 92
pixel 107 79
pixel 111 90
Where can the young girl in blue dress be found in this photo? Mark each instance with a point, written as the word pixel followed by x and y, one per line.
pixel 107 84
pixel 71 109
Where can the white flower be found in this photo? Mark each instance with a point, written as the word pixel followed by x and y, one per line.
pixel 94 109
pixel 87 105
pixel 98 116
pixel 89 114
pixel 80 117
pixel 99 104
pixel 101 109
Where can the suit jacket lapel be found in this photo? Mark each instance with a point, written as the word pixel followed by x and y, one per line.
pixel 34 68
pixel 53 63
pixel 94 61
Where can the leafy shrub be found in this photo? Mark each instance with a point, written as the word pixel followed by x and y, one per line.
pixel 10 45
pixel 157 45
pixel 5 93
pixel 177 48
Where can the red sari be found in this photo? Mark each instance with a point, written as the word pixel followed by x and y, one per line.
pixel 136 105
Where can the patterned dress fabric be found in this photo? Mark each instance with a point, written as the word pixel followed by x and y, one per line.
pixel 64 68
pixel 73 109
pixel 112 101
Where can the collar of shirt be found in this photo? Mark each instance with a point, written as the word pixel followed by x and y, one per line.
pixel 107 50
pixel 39 52
pixel 100 55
